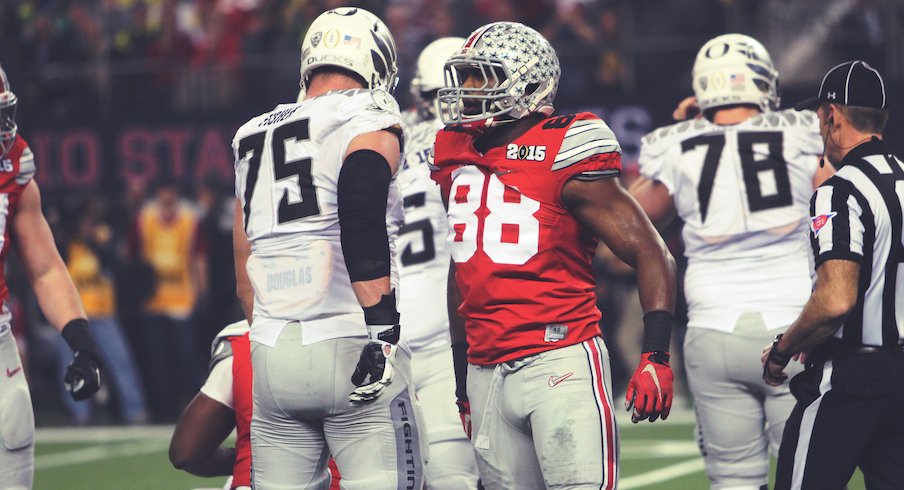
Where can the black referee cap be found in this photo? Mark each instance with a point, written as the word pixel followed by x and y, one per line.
pixel 851 83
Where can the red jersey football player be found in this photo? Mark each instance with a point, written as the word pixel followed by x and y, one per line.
pixel 224 403
pixel 528 197
pixel 22 223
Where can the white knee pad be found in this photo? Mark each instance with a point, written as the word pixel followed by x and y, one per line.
pixel 17 421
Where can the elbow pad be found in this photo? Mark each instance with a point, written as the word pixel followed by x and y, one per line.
pixel 363 190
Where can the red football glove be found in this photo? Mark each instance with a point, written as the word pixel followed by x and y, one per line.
pixel 464 411
pixel 650 389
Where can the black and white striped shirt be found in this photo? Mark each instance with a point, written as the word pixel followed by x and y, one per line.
pixel 857 215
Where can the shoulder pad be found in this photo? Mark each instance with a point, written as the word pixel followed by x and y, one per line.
pixel 26 165
pixel 672 133
pixel 585 137
pixel 787 118
pixel 382 101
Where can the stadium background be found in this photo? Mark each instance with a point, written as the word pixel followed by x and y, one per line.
pixel 118 95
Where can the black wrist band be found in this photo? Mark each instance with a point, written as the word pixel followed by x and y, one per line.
pixel 384 312
pixel 657 330
pixel 77 333
pixel 659 357
pixel 460 366
pixel 777 356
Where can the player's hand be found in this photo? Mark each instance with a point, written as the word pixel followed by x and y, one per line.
pixel 774 362
pixel 687 109
pixel 374 371
pixel 650 388
pixel 83 375
pixel 464 411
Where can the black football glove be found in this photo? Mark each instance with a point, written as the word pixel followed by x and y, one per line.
pixel 82 377
pixel 375 364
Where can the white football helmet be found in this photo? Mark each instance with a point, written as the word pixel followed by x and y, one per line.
pixel 428 78
pixel 7 114
pixel 518 73
pixel 735 69
pixel 353 39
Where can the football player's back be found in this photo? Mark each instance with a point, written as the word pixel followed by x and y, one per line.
pixel 742 190
pixel 316 218
pixel 740 177
pixel 290 206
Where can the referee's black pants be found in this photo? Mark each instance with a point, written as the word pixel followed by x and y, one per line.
pixel 849 413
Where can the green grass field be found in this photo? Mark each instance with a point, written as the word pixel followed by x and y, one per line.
pixel 654 456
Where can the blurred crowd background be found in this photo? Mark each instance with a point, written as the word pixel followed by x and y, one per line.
pixel 130 107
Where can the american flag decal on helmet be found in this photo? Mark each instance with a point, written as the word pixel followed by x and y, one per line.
pixel 818 222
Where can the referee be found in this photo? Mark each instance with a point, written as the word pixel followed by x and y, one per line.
pixel 849 397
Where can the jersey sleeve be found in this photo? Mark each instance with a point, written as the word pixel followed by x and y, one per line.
pixel 589 151
pixel 808 143
pixel 836 225
pixel 26 165
pixel 655 156
pixel 240 162
pixel 367 112
pixel 219 383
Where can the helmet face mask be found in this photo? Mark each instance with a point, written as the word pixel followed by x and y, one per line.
pixel 352 39
pixel 735 69
pixel 504 72
pixel 8 126
pixel 481 90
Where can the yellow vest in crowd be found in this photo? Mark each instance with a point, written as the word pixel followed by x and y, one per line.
pixel 168 246
pixel 94 287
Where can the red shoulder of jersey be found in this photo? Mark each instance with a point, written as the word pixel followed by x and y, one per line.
pixel 583 144
pixel 552 151
pixel 17 167
pixel 560 148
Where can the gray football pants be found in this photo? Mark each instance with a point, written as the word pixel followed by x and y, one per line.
pixel 546 421
pixel 739 417
pixel 302 415
pixel 17 421
pixel 452 465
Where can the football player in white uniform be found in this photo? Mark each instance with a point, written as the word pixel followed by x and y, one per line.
pixel 424 270
pixel 740 177
pixel 317 212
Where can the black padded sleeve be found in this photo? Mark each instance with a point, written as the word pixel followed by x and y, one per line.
pixel 362 193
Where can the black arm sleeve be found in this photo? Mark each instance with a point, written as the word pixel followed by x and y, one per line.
pixel 362 193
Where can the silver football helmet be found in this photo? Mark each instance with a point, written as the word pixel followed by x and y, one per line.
pixel 355 40
pixel 428 78
pixel 504 71
pixel 735 69
pixel 7 115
